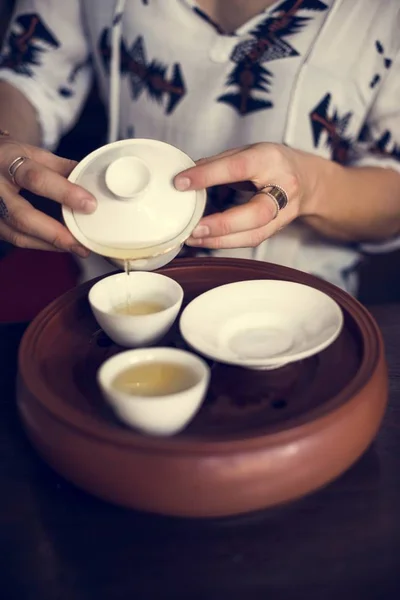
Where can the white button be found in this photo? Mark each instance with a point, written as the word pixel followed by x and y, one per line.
pixel 221 50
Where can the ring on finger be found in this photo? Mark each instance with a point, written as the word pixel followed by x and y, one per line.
pixel 15 165
pixel 277 194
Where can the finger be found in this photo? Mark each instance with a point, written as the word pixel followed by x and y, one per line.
pixel 226 169
pixel 246 186
pixel 208 159
pixel 12 149
pixel 258 212
pixel 26 220
pixel 20 240
pixel 63 166
pixel 244 239
pixel 45 182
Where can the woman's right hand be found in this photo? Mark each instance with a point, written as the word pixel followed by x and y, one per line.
pixel 43 174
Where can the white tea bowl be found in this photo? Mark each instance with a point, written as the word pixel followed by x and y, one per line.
pixel 140 216
pixel 161 415
pixel 148 264
pixel 262 324
pixel 133 330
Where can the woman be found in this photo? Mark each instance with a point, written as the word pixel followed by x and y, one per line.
pixel 302 93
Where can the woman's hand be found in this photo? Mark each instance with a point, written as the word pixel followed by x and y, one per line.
pixel 43 174
pixel 261 164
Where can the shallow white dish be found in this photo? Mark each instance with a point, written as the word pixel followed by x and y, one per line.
pixel 135 330
pixel 263 324
pixel 156 415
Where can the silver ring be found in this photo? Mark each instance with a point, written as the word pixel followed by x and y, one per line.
pixel 277 194
pixel 15 165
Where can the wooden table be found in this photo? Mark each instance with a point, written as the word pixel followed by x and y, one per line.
pixel 58 543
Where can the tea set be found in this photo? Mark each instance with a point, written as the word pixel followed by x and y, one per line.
pixel 141 222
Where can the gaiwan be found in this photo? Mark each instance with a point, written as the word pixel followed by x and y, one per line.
pixel 141 220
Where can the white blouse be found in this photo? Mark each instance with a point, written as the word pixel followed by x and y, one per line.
pixel 319 75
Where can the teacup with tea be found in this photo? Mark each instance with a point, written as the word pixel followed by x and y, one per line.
pixel 136 309
pixel 156 390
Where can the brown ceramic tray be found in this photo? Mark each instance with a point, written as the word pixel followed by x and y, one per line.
pixel 261 438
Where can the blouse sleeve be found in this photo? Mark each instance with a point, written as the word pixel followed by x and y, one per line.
pixel 46 56
pixel 379 142
pixel 380 139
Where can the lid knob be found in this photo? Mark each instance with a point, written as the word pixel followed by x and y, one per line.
pixel 127 176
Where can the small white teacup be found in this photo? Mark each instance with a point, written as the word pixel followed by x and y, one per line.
pixel 136 309
pixel 156 390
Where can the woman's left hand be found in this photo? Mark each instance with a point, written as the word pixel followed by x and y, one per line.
pixel 248 225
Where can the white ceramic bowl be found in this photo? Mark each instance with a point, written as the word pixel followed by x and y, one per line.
pixel 156 415
pixel 261 324
pixel 148 264
pixel 135 330
pixel 140 215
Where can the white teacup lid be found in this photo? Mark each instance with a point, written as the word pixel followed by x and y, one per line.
pixel 138 206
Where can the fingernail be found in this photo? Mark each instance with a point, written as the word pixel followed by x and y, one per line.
pixel 80 251
pixel 194 242
pixel 201 231
pixel 88 204
pixel 182 183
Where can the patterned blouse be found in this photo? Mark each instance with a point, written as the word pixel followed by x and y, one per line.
pixel 319 75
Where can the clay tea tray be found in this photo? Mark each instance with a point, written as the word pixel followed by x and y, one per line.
pixel 261 437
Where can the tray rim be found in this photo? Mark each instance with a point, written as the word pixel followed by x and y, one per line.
pixel 373 355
